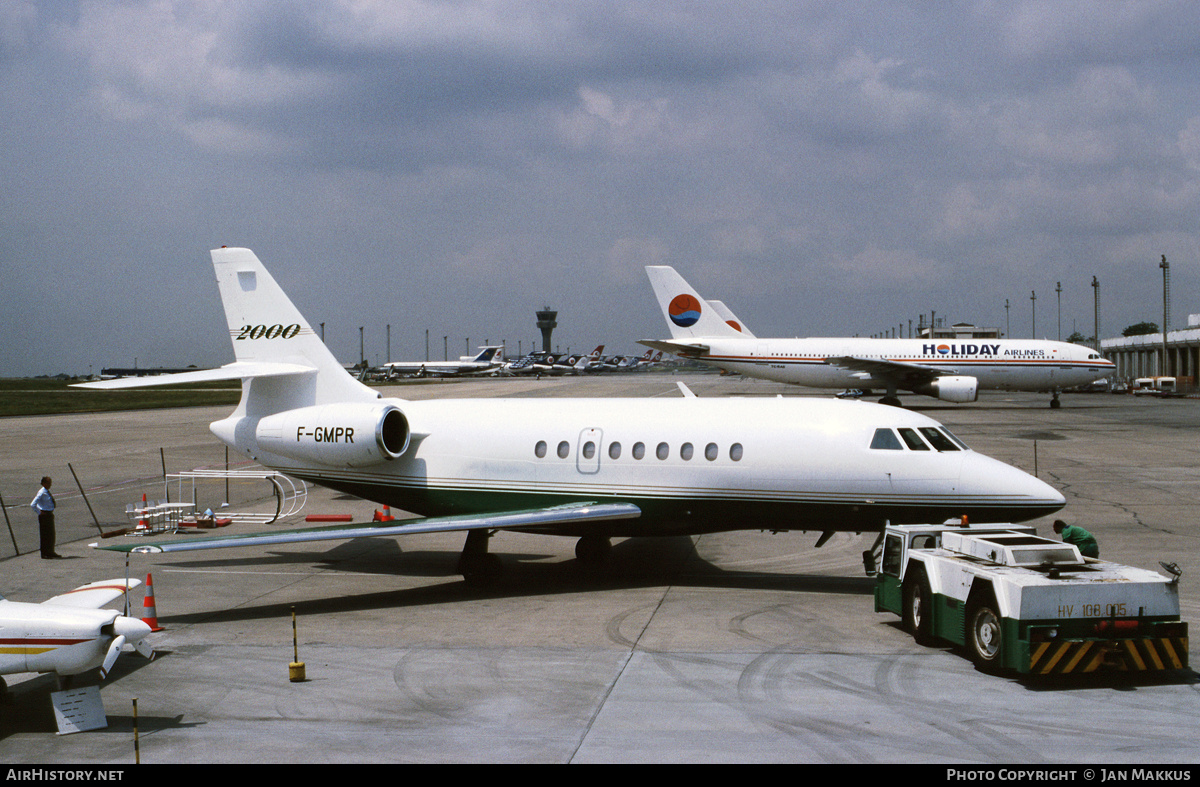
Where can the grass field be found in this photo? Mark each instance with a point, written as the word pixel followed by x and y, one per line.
pixel 47 396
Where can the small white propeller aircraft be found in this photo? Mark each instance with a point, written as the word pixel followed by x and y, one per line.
pixel 593 469
pixel 70 633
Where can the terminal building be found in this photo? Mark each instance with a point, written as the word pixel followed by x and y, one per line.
pixel 1141 356
pixel 959 330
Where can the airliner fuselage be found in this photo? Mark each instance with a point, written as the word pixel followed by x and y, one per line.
pixel 1002 364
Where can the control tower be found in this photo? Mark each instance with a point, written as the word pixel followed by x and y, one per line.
pixel 546 325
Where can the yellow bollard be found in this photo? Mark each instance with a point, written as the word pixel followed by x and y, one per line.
pixel 296 668
pixel 137 752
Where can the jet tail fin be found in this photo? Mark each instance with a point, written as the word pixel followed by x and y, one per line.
pixel 688 315
pixel 265 327
pixel 731 319
pixel 281 361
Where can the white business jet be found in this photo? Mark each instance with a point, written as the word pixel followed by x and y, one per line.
pixel 587 468
pixel 69 634
pixel 953 371
pixel 489 360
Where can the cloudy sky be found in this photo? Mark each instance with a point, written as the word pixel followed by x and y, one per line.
pixel 825 167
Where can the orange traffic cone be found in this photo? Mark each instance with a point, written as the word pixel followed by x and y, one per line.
pixel 143 523
pixel 387 514
pixel 149 612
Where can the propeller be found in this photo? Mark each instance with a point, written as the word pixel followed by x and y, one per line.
pixel 110 658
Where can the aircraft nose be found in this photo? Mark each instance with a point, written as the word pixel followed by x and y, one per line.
pixel 1011 488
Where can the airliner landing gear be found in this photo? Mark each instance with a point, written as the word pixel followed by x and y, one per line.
pixel 891 398
pixel 1054 403
pixel 479 567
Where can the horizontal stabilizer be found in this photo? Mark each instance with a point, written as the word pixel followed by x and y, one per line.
pixel 529 518
pixel 684 348
pixel 233 371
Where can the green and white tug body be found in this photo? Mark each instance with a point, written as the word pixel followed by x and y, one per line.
pixel 1020 602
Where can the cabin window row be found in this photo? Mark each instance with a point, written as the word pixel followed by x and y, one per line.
pixel 941 439
pixel 662 451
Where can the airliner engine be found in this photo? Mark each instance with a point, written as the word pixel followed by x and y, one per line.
pixel 337 435
pixel 952 389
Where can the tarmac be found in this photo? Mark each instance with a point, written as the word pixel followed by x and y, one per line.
pixel 742 647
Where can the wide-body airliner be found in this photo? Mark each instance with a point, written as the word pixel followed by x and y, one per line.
pixel 951 370
pixel 587 468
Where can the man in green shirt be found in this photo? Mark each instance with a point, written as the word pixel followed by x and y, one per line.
pixel 1072 534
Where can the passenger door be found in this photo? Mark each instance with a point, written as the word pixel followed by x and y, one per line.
pixel 587 455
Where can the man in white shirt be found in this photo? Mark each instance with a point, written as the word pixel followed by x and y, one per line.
pixel 43 506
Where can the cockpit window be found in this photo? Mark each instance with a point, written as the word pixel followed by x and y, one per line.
pixel 913 440
pixel 938 440
pixel 954 437
pixel 886 439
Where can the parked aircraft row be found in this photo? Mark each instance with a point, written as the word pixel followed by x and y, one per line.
pixel 592 469
pixel 490 361
pixel 953 371
pixel 540 363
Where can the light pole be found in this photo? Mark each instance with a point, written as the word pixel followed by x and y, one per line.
pixel 1058 290
pixel 1033 311
pixel 1166 269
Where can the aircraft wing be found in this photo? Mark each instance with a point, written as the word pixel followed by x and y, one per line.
pixel 905 375
pixel 232 371
pixel 684 348
pixel 533 518
pixel 95 594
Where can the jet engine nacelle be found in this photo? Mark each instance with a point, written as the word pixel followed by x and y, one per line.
pixel 337 435
pixel 953 389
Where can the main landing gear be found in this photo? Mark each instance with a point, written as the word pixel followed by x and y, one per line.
pixel 890 398
pixel 481 568
pixel 592 550
pixel 1054 403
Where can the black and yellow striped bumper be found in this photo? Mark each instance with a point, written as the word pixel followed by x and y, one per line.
pixel 1135 655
